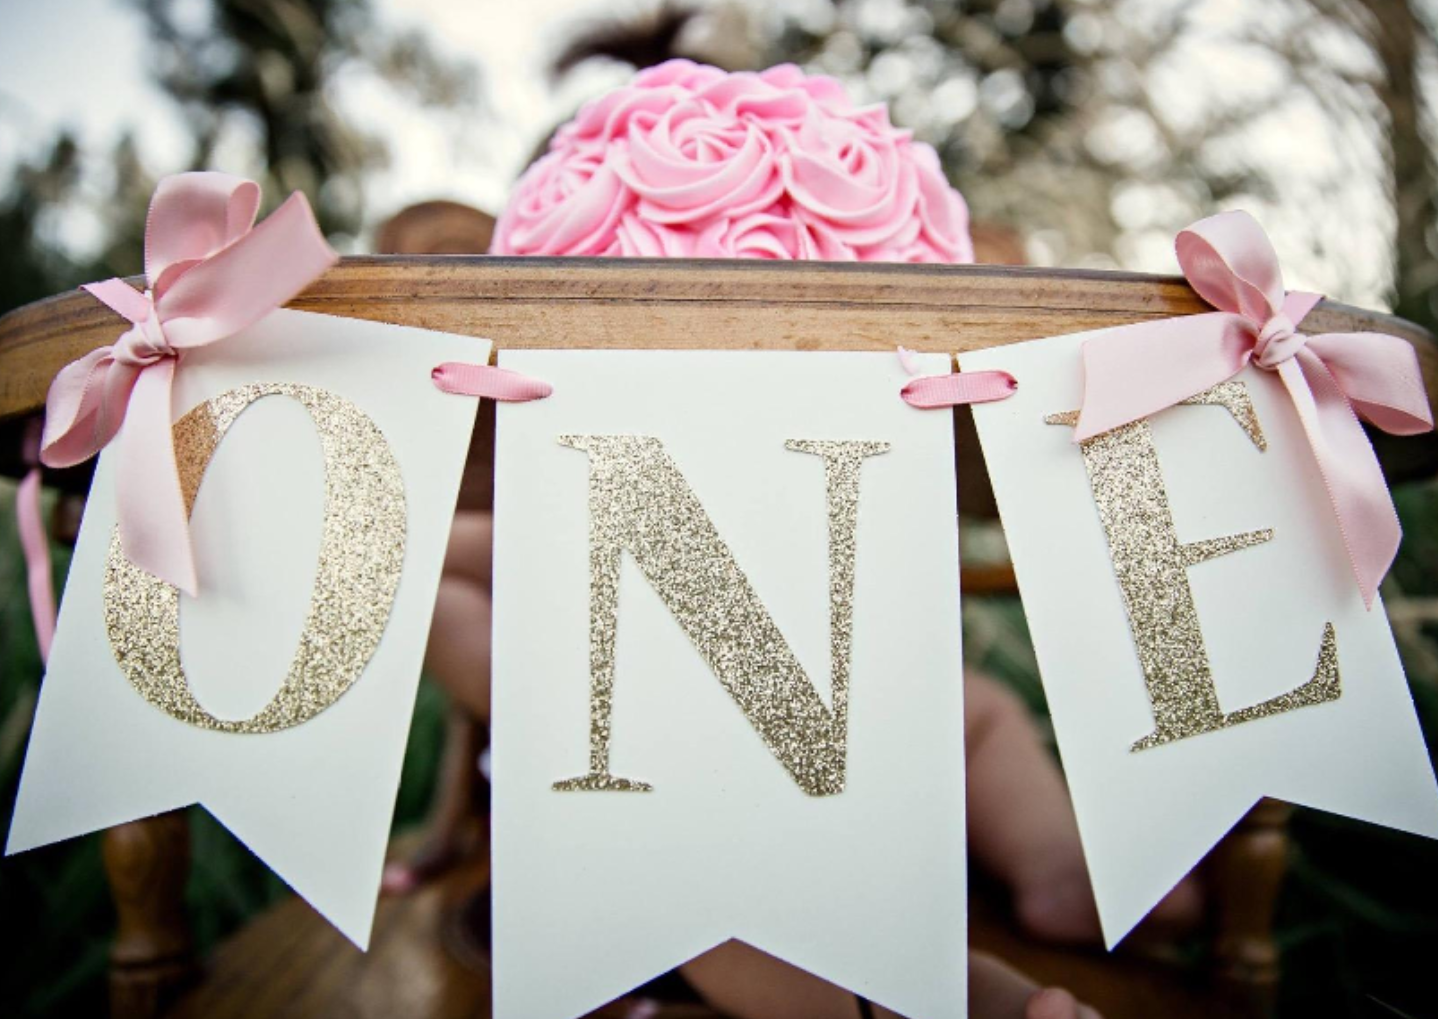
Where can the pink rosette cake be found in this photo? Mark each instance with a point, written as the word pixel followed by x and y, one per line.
pixel 689 161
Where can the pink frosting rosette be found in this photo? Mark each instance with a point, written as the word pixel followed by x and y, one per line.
pixel 689 161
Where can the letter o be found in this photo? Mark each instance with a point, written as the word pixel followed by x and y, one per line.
pixel 360 561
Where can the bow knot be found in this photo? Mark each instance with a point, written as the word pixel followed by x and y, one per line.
pixel 144 343
pixel 1277 341
pixel 212 273
pixel 1333 379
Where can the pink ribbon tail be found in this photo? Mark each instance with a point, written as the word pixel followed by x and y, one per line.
pixel 933 391
pixel 489 382
pixel 1356 487
pixel 37 561
pixel 154 527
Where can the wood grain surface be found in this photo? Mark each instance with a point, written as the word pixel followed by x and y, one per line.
pixel 671 304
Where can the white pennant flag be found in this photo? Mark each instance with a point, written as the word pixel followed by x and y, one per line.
pixel 726 677
pixel 1200 636
pixel 327 467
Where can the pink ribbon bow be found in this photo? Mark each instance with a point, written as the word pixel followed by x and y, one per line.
pixel 1332 378
pixel 211 273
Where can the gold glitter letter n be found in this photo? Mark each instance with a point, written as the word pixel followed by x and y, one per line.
pixel 639 502
pixel 1151 565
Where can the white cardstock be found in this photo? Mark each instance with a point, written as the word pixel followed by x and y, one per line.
pixel 1147 817
pixel 313 801
pixel 596 892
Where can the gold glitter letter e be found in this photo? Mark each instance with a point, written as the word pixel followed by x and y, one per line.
pixel 640 503
pixel 1151 565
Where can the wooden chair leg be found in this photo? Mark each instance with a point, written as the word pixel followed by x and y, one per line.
pixel 148 864
pixel 1245 875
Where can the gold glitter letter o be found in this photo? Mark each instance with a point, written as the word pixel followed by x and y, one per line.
pixel 360 561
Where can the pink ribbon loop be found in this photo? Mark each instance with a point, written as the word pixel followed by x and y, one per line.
pixel 932 391
pixel 211 274
pixel 1333 379
pixel 489 382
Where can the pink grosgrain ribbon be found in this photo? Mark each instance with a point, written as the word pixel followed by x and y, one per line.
pixel 35 544
pixel 211 274
pixel 1332 378
pixel 932 391
pixel 489 382
pixel 36 547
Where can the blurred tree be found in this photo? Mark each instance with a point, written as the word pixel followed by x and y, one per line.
pixel 640 42
pixel 1404 42
pixel 264 66
pixel 253 80
pixel 30 262
pixel 34 260
pixel 1099 129
pixel 124 212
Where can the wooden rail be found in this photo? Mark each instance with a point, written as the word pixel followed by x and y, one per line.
pixel 669 304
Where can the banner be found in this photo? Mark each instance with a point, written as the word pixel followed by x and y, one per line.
pixel 727 677
pixel 1201 637
pixel 322 467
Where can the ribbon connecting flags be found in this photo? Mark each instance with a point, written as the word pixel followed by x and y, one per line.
pixel 1333 379
pixel 211 273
